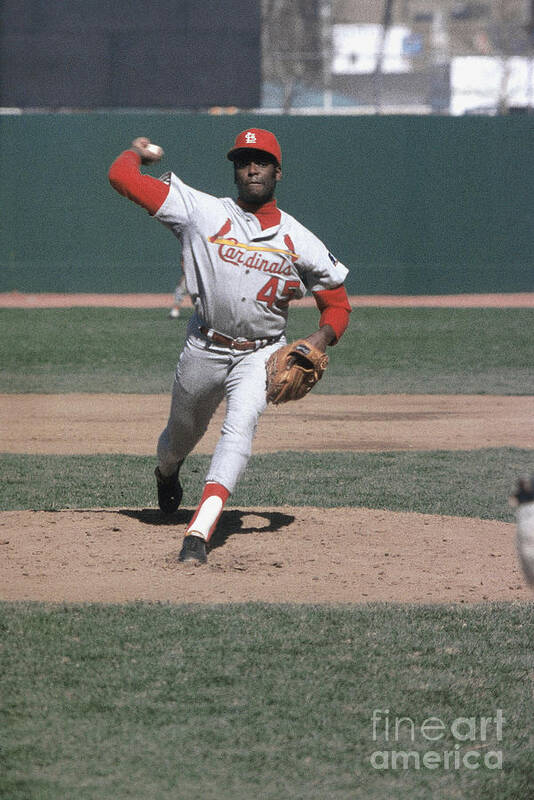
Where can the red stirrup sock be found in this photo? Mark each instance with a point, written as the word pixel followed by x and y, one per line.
pixel 209 510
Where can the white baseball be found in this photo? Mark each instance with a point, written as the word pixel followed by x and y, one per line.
pixel 155 149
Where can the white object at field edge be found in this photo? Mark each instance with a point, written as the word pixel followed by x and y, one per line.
pixel 525 540
pixel 155 149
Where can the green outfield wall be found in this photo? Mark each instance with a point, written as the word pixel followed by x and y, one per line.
pixel 410 204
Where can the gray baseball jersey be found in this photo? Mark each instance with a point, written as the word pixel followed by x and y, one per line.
pixel 241 278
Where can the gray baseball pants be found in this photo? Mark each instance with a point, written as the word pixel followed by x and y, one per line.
pixel 206 374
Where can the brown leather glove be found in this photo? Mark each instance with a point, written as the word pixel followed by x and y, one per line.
pixel 293 370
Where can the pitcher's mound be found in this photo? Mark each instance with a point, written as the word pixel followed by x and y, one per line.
pixel 287 554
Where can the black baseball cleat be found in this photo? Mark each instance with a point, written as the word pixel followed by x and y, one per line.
pixel 169 491
pixel 193 549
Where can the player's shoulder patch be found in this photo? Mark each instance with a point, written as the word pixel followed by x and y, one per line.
pixel 333 259
pixel 165 178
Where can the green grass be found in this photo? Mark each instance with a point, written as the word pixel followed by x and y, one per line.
pixel 480 351
pixel 473 483
pixel 244 701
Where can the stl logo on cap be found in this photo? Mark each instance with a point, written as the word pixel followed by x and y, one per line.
pixel 256 139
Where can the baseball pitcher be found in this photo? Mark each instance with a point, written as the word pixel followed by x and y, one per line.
pixel 244 260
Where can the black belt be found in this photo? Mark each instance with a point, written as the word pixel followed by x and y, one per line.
pixel 236 344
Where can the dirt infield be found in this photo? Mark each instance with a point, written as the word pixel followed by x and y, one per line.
pixel 17 299
pixel 298 555
pixel 100 423
pixel 280 554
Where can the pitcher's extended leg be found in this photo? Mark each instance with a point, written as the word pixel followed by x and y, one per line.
pixel 246 401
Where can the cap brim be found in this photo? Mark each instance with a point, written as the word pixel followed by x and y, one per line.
pixel 236 150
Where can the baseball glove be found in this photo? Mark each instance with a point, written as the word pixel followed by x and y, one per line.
pixel 293 370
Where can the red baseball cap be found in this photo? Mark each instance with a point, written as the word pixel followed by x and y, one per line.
pixel 256 139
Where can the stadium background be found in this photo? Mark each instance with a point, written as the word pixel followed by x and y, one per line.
pixel 414 203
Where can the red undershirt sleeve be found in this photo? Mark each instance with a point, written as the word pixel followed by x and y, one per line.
pixel 144 190
pixel 335 309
